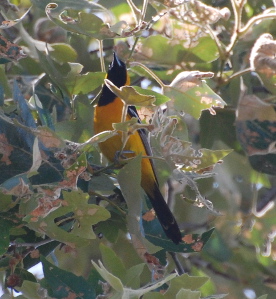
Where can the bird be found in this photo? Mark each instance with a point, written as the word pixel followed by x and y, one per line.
pixel 108 111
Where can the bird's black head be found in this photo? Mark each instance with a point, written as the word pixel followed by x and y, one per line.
pixel 117 74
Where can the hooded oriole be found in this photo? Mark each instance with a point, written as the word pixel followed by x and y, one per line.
pixel 109 111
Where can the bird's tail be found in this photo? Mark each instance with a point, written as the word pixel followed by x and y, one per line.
pixel 164 215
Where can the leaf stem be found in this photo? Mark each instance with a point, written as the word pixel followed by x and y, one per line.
pixel 108 200
pixel 177 263
pixel 34 245
pixel 144 9
pixel 136 11
pixel 238 74
pixel 133 47
pixel 101 55
pixel 149 72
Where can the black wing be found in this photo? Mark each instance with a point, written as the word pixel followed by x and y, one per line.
pixel 132 112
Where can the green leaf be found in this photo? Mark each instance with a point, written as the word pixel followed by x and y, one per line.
pixel 262 297
pixel 162 51
pixel 84 214
pixel 85 83
pixel 130 96
pixel 112 262
pixel 132 279
pixel 4 86
pixel 219 296
pixel 185 281
pixel 6 202
pixel 79 5
pixel 195 99
pixel 4 235
pixel 30 289
pixel 63 53
pixel 204 159
pixel 205 50
pixel 114 281
pixel 190 242
pixel 159 98
pixel 131 189
pixel 63 284
pixel 85 23
pixel 111 227
pixel 188 294
pixel 80 128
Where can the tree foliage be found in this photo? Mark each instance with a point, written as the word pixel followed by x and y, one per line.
pixel 203 78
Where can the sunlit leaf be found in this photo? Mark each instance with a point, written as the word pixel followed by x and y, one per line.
pixel 159 98
pixel 86 23
pixel 9 23
pixel 61 4
pixel 191 95
pixel 130 96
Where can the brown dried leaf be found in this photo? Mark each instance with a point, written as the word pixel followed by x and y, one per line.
pixel 187 80
pixel 48 138
pixel 253 108
pixel 262 58
pixel 22 189
pixel 188 239
pixel 5 149
pixel 200 13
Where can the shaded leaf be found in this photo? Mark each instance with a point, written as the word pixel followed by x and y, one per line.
pixel 131 189
pixel 188 294
pixel 63 284
pixel 190 242
pixel 133 276
pixel 9 51
pixel 48 137
pixel 84 214
pixel 9 23
pixel 114 281
pixel 5 225
pixel 63 53
pixel 112 262
pixel 30 289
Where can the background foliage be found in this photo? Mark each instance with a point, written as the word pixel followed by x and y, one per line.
pixel 60 206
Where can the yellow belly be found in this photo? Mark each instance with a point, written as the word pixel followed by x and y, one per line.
pixel 113 145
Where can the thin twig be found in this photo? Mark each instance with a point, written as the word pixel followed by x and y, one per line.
pixel 238 74
pixel 108 200
pixel 34 245
pixel 101 56
pixel 177 263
